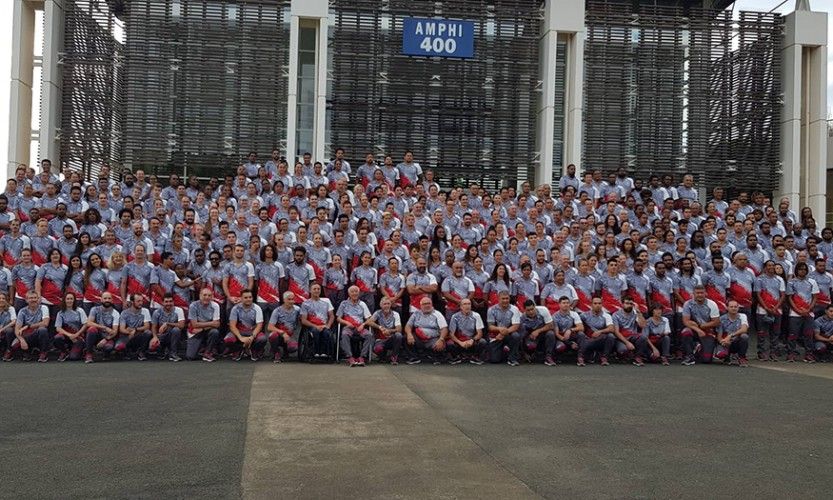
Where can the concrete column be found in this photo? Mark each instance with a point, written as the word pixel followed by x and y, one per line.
pixel 292 91
pixel 791 125
pixel 546 110
pixel 321 90
pixel 560 17
pixel 817 133
pixel 803 124
pixel 20 95
pixel 51 95
pixel 574 112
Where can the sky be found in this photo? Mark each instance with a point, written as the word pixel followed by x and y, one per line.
pixel 781 6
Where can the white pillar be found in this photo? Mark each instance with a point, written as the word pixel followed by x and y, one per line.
pixel 574 102
pixel 292 91
pixel 803 123
pixel 561 17
pixel 546 110
pixel 318 10
pixel 791 125
pixel 817 134
pixel 321 90
pixel 20 95
pixel 51 96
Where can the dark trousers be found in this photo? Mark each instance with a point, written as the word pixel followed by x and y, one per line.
pixel 208 337
pixel 507 349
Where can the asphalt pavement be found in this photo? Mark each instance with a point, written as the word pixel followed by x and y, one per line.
pixel 231 430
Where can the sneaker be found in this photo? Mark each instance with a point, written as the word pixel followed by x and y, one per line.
pixel 791 357
pixel 580 361
pixel 773 356
pixel 603 361
pixel 664 361
pixel 762 356
pixel 63 356
pixel 141 356
pixel 456 361
pixel 436 362
pixel 7 356
pixel 207 357
pixel 254 356
pixel 476 361
pixel 43 357
pixel 414 361
pixel 351 362
pixel 689 361
pixel 637 361
pixel 88 358
pixel 276 358
pixel 734 360
pixel 394 360
pixel 697 348
pixel 809 358
pixel 512 362
pixel 743 362
pixel 549 361
pixel 237 356
pixel 360 361
pixel 174 357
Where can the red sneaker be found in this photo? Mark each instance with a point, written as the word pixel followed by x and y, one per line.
pixel 743 362
pixel 638 361
pixel 603 361
pixel 664 361
pixel 43 357
pixel 277 358
pixel 208 357
pixel 580 361
pixel 394 360
pixel 351 362
pixel 88 358
pixel 360 361
pixel 63 356
pixel 7 356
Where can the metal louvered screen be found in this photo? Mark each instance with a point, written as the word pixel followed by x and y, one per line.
pixel 673 90
pixel 93 87
pixel 207 82
pixel 472 119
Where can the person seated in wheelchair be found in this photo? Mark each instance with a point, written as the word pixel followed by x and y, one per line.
pixel 388 326
pixel 317 316
pixel 426 332
pixel 351 315
pixel 283 327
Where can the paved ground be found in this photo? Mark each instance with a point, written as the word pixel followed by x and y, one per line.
pixel 230 430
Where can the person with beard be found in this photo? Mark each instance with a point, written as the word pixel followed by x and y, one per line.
pixel 102 328
pixel 628 327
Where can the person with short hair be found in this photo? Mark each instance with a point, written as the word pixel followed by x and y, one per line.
pixel 246 335
pixel 465 335
pixel 504 323
pixel 134 328
pixel 30 329
pixel 700 319
pixel 733 341
pixel 536 321
pixel 426 332
pixel 167 324
pixel 283 327
pixel 317 314
pixel 352 315
pixel 203 327
pixel 628 327
pixel 388 326
pixel 598 334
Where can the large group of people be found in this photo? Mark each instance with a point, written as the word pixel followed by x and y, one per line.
pixel 326 260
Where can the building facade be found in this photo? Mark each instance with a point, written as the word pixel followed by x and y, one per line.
pixel 656 86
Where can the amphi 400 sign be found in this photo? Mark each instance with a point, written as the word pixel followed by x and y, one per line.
pixel 437 37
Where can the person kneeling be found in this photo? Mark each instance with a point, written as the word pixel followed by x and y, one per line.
pixel 598 334
pixel 283 327
pixel 536 321
pixel 246 334
pixel 732 337
pixel 628 326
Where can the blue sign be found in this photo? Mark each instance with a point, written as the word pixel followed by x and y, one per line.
pixel 437 37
